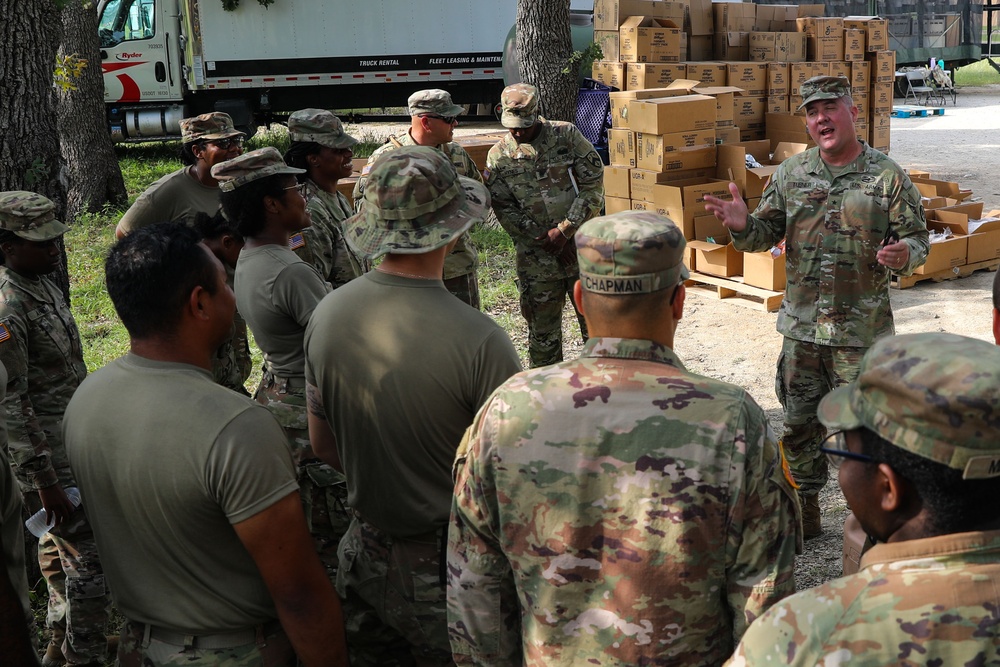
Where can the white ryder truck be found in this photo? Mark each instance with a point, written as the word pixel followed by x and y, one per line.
pixel 164 60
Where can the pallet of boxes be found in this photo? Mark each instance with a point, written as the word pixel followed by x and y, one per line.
pixel 708 95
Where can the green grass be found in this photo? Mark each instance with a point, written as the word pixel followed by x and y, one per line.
pixel 976 74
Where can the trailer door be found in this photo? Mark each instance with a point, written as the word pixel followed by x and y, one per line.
pixel 138 51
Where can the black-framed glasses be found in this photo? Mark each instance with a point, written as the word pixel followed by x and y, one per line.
pixel 227 143
pixel 301 187
pixel 836 455
pixel 447 119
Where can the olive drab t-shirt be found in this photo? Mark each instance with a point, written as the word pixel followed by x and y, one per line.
pixel 176 197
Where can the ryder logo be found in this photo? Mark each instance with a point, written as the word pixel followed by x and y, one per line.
pixel 128 56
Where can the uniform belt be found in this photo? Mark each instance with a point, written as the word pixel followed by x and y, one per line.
pixel 289 383
pixel 222 640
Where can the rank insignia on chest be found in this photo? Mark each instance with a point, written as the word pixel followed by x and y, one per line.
pixel 297 241
pixel 4 333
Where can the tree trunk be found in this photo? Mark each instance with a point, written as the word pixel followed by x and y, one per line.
pixel 30 32
pixel 544 45
pixel 95 178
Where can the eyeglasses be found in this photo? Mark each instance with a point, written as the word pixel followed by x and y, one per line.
pixel 447 119
pixel 836 455
pixel 301 187
pixel 227 143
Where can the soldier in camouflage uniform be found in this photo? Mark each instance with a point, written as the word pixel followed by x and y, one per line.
pixel 321 147
pixel 396 369
pixel 618 509
pixel 433 119
pixel 546 180
pixel 41 349
pixel 276 293
pixel 849 216
pixel 919 464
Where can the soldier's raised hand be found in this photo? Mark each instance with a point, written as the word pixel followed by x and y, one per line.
pixel 733 214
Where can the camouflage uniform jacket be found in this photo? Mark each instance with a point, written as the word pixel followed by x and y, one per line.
pixel 322 243
pixel 930 601
pixel 531 185
pixel 463 259
pixel 616 509
pixel 43 354
pixel 232 362
pixel 837 293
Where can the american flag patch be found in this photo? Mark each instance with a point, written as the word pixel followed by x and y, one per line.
pixel 296 242
pixel 4 332
pixel 367 168
pixel 486 174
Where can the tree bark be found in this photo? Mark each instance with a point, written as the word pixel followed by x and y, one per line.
pixel 544 45
pixel 95 179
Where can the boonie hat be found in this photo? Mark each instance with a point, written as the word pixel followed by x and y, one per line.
pixel 936 395
pixel 435 101
pixel 30 216
pixel 519 102
pixel 251 166
pixel 207 126
pixel 824 88
pixel 631 252
pixel 414 202
pixel 319 126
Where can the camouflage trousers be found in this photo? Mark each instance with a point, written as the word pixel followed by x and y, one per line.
pixel 231 364
pixel 542 303
pixel 78 603
pixel 396 593
pixel 265 646
pixel 465 288
pixel 806 373
pixel 323 489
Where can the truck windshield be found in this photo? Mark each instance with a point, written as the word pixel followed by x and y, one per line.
pixel 126 20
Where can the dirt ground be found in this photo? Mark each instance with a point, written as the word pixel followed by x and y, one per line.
pixel 727 340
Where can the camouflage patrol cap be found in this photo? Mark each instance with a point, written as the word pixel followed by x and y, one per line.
pixel 207 126
pixel 319 126
pixel 632 252
pixel 251 166
pixel 824 88
pixel 520 105
pixel 435 101
pixel 933 394
pixel 30 216
pixel 415 202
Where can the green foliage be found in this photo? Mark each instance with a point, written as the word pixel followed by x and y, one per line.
pixel 36 173
pixel 977 74
pixel 68 70
pixel 582 60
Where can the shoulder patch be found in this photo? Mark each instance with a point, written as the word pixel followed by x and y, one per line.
pixel 367 168
pixel 4 333
pixel 486 174
pixel 296 241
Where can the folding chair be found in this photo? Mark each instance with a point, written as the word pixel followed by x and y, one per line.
pixel 943 84
pixel 916 85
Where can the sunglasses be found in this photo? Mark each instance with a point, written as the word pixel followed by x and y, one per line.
pixel 836 455
pixel 227 143
pixel 447 119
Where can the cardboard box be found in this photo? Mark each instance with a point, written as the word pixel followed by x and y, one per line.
pixel 751 77
pixel 609 14
pixel 827 26
pixel 709 228
pixel 876 31
pixel 639 76
pixel 621 147
pixel 854 44
pixel 727 135
pixel 860 76
pixel 699 20
pixel 883 66
pixel 777 47
pixel 777 104
pixel 752 135
pixel 840 69
pixel 608 41
pixel 644 39
pixel 609 73
pixel 777 78
pixel 825 49
pixel 717 259
pixel 750 112
pixel 783 127
pixel 799 73
pixel 711 74
pixel 616 182
pixel 725 102
pixel 732 45
pixel 776 18
pixel 619 103
pixel 734 16
pixel 880 98
pixel 653 150
pixel 682 201
pixel 936 188
pixel 642 182
pixel 946 254
pixel 984 243
pixel 864 108
pixel 616 205
pixel 688 158
pixel 700 47
pixel 811 10
pixel 731 164
pixel 761 269
pixel 672 114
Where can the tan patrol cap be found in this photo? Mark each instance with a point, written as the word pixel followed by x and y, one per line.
pixel 520 105
pixel 824 88
pixel 30 216
pixel 251 166
pixel 208 126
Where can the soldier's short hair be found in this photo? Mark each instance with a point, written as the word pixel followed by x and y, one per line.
pixel 150 275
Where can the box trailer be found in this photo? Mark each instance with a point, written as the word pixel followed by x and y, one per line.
pixel 164 60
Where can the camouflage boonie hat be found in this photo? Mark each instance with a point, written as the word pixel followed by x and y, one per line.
pixel 433 101
pixel 215 125
pixel 520 105
pixel 632 252
pixel 415 202
pixel 30 216
pixel 319 126
pixel 936 395
pixel 251 166
pixel 824 88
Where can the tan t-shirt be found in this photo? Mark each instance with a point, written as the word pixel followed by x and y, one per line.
pixel 167 461
pixel 176 197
